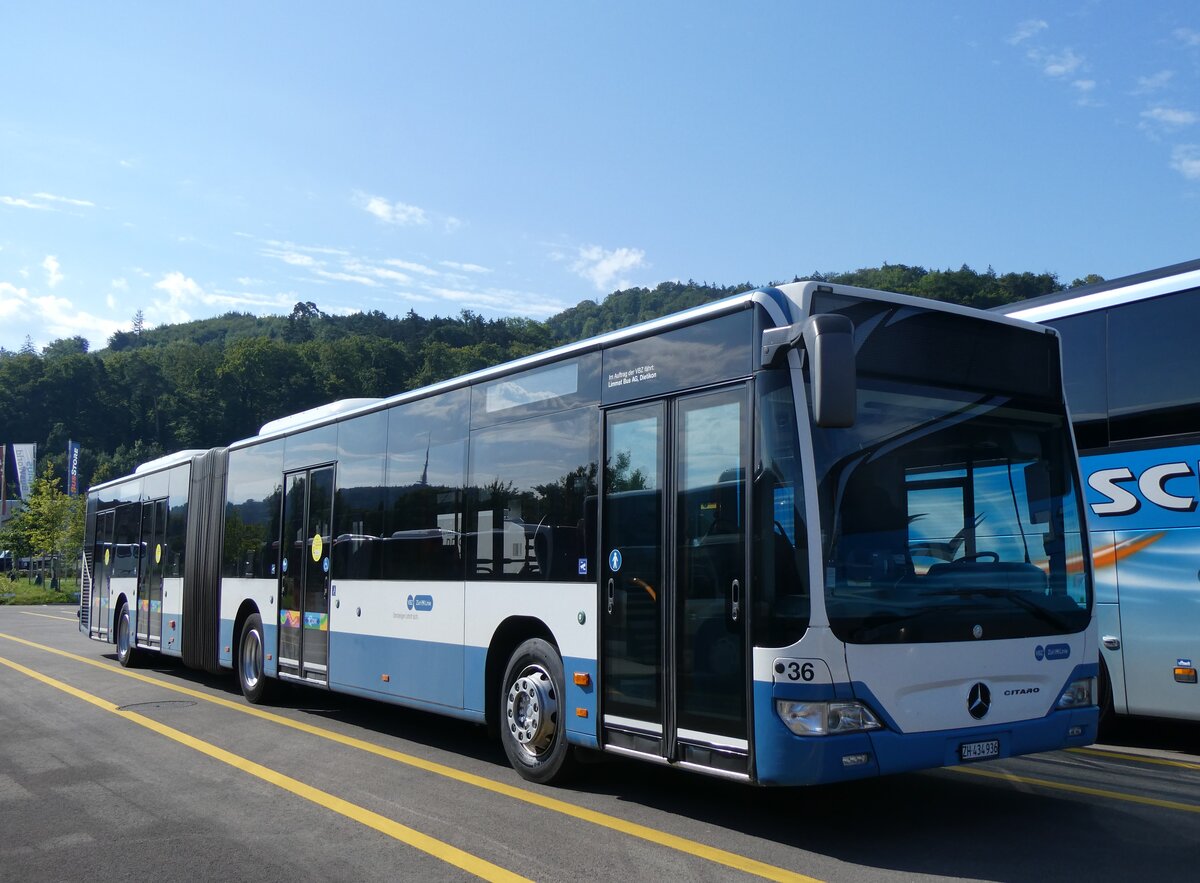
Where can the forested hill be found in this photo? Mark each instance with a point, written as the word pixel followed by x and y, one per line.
pixel 206 383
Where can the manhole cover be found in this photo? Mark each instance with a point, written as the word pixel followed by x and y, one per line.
pixel 161 705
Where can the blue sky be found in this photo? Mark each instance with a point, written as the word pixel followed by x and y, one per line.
pixel 514 159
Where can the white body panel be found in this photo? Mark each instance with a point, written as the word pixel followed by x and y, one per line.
pixel 379 608
pixel 558 605
pixel 924 687
pixel 172 612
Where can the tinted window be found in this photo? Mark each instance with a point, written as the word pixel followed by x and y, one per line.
pixel 781 596
pixel 358 504
pixel 531 482
pixel 177 504
pixel 1154 387
pixel 310 448
pixel 1085 372
pixel 126 539
pixel 541 390
pixel 708 352
pixel 252 511
pixel 426 462
pixel 946 349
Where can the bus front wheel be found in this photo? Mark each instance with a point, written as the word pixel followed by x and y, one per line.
pixel 127 653
pixel 533 719
pixel 251 654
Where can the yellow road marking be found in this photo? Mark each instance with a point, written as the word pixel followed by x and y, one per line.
pixel 613 823
pixel 1136 758
pixel 436 848
pixel 49 616
pixel 1077 789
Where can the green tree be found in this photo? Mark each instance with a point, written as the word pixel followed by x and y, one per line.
pixel 50 525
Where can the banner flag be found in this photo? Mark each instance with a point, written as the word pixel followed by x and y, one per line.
pixel 72 468
pixel 25 457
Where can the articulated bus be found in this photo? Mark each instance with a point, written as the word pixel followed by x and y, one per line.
pixel 1132 374
pixel 805 534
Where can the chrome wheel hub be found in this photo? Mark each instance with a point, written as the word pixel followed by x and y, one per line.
pixel 252 659
pixel 532 710
pixel 123 635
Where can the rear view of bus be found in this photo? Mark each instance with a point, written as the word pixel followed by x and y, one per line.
pixel 953 623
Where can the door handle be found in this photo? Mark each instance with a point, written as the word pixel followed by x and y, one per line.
pixel 612 594
pixel 735 600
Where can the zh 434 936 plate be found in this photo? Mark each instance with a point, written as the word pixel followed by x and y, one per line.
pixel 979 750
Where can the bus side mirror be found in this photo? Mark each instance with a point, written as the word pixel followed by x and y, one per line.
pixel 833 374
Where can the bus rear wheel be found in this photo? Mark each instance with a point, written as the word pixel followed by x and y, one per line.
pixel 533 719
pixel 250 661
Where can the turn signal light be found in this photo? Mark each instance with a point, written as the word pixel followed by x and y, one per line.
pixel 581 712
pixel 1185 675
pixel 387 679
pixel 583 679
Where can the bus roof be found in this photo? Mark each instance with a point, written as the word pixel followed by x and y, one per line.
pixel 1086 298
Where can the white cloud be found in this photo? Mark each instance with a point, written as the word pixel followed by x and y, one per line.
pixel 180 290
pixel 1169 116
pixel 412 267
pixel 1187 36
pixel 465 268
pixel 18 202
pixel 53 275
pixel 311 249
pixel 1153 83
pixel 50 197
pixel 1060 65
pixel 121 284
pixel 1185 159
pixel 268 303
pixel 53 317
pixel 294 258
pixel 604 269
pixel 12 299
pixel 110 301
pixel 399 213
pixel 452 224
pixel 347 277
pixel 364 269
pixel 517 303
pixel 1026 29
pixel 1085 89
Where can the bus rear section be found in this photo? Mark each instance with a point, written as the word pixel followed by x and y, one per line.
pixel 954 623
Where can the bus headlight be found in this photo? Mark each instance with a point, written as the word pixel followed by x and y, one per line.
pixel 1078 694
pixel 826 718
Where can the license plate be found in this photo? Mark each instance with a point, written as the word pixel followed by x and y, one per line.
pixel 979 750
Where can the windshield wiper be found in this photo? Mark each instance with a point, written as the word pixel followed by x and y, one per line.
pixel 867 634
pixel 1016 596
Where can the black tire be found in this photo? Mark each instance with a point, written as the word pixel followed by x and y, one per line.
pixel 533 714
pixel 250 661
pixel 127 652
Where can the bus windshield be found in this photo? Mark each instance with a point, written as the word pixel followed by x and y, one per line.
pixel 950 515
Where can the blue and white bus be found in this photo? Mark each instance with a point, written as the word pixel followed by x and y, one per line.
pixel 1132 373
pixel 805 534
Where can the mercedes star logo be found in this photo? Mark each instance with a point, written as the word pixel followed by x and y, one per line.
pixel 979 700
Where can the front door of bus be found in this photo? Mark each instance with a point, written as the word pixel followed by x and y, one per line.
pixel 150 573
pixel 673 609
pixel 304 573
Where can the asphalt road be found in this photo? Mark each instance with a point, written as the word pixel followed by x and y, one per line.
pixel 166 773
